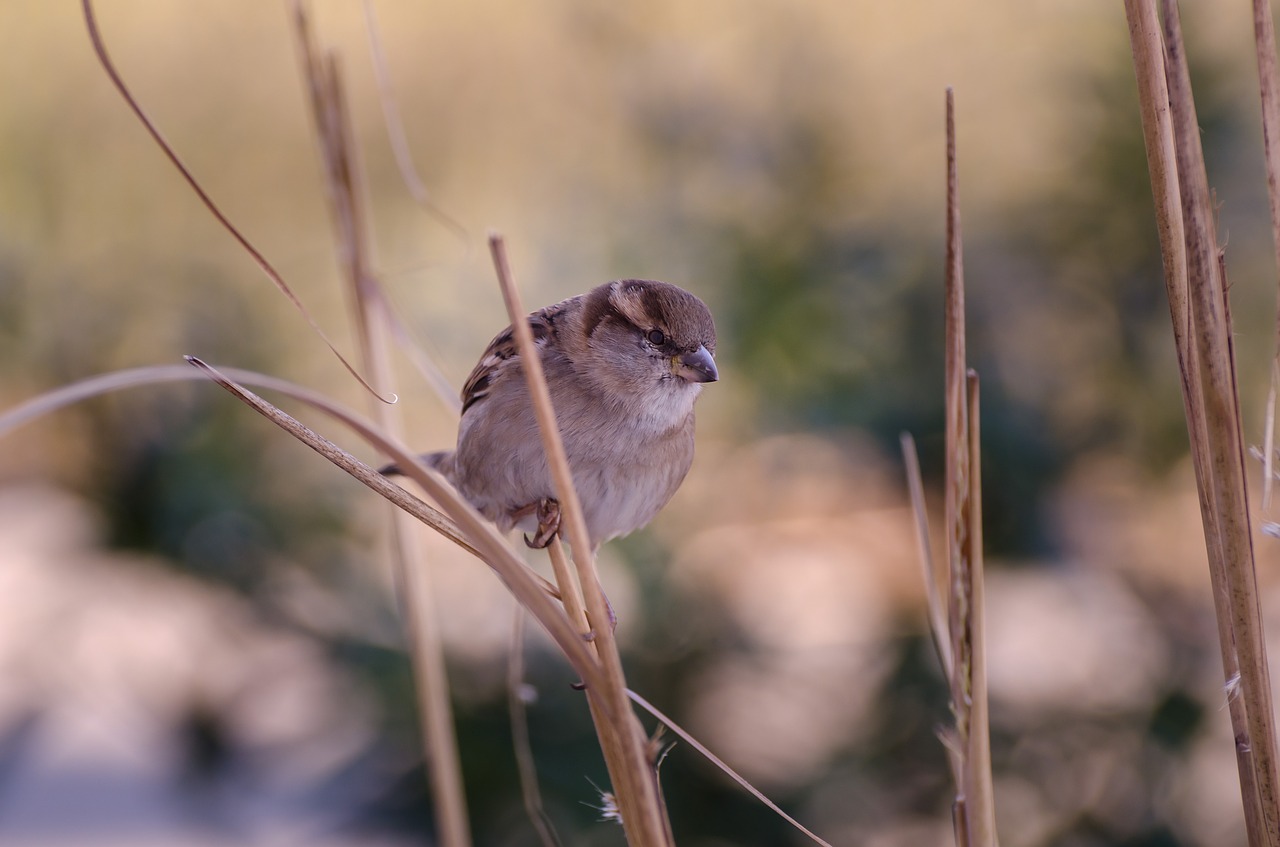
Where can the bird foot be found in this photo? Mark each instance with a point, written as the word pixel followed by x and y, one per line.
pixel 548 511
pixel 590 635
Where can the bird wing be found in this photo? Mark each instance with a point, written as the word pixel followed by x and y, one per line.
pixel 503 355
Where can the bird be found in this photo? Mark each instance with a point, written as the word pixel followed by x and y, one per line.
pixel 625 363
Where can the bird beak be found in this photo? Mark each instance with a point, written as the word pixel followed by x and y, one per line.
pixel 697 366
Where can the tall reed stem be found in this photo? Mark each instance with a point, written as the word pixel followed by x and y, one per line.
pixel 1264 31
pixel 416 594
pixel 1196 287
pixel 622 739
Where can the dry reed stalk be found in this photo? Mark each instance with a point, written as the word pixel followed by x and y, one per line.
pixel 59 398
pixel 527 587
pixel 937 610
pixel 719 763
pixel 100 49
pixel 396 134
pixel 981 793
pixel 974 809
pixel 1148 56
pixel 109 383
pixel 418 604
pixel 959 629
pixel 635 778
pixel 1224 443
pixel 525 766
pixel 1264 32
pixel 956 434
pixel 567 584
pixel 480 534
pixel 1196 287
pixel 622 740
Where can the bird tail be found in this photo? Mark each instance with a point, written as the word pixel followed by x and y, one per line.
pixel 441 460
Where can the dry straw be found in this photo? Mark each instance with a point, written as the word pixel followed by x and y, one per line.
pixel 345 191
pixel 1195 281
pixel 958 628
pixel 517 707
pixel 1269 90
pixel 580 625
pixel 631 769
pixel 479 533
pixel 100 49
pixel 1196 287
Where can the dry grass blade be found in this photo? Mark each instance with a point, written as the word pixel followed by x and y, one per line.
pixel 67 395
pixel 416 593
pixel 480 534
pixel 567 581
pixel 974 810
pixel 1264 31
pixel 980 792
pixel 333 134
pixel 1148 57
pixel 525 766
pixel 1157 128
pixel 336 142
pixel 956 484
pixel 422 363
pixel 635 780
pixel 1269 429
pixel 396 134
pixel 1223 441
pixel 1201 322
pixel 719 763
pixel 957 439
pixel 924 550
pixel 60 398
pixel 571 512
pixel 100 49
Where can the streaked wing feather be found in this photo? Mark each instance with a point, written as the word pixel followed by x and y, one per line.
pixel 502 350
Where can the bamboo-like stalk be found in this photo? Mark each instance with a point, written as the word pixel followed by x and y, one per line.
pixel 1195 284
pixel 1264 32
pixel 413 578
pixel 622 740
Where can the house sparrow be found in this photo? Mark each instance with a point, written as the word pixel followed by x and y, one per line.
pixel 624 363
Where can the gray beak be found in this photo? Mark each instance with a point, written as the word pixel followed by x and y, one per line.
pixel 697 366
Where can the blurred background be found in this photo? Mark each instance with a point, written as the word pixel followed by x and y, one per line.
pixel 199 643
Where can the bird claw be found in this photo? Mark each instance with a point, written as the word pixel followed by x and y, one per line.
pixel 548 511
pixel 590 635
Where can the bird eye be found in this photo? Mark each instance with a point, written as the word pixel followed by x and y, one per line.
pixel 656 338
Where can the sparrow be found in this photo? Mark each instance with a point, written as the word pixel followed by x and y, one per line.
pixel 625 364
